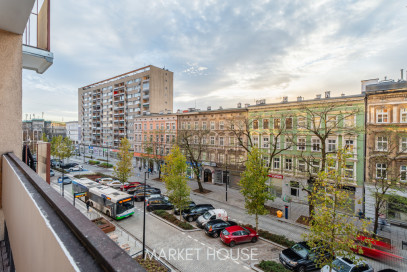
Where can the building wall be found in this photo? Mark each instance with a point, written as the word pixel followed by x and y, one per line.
pixel 10 102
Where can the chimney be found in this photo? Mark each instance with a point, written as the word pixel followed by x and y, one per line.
pixel 246 105
pixel 343 95
pixel 327 94
pixel 239 105
pixel 402 74
pixel 318 96
pixel 209 108
pixel 285 99
pixel 299 98
pixel 220 107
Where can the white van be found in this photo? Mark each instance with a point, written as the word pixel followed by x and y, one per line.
pixel 211 215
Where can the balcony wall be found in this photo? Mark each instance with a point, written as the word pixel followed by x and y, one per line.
pixel 47 233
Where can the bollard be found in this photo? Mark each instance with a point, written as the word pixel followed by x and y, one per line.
pixel 286 212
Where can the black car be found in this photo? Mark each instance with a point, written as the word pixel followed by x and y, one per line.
pixel 131 191
pixel 139 194
pixel 159 203
pixel 197 211
pixel 214 227
pixel 68 165
pixel 300 257
pixel 190 206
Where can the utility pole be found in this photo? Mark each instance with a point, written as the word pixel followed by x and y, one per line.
pixel 144 216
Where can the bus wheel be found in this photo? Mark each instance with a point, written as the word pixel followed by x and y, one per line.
pixel 107 213
pixel 91 203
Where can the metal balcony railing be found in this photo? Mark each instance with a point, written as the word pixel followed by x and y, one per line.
pixel 37 31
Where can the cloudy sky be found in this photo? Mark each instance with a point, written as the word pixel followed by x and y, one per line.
pixel 221 52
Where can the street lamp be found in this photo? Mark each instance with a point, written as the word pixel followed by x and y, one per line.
pixel 144 213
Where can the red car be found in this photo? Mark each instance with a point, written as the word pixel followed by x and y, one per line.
pixel 380 250
pixel 237 234
pixel 130 185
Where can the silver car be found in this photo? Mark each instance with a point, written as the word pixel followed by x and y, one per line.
pixel 342 264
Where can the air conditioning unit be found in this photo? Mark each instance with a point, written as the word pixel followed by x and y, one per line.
pixel 285 99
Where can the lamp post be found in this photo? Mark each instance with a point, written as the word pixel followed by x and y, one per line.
pixel 144 214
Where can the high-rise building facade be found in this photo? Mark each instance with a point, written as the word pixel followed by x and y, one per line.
pixel 107 108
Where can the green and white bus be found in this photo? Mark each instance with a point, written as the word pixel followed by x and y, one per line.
pixel 112 202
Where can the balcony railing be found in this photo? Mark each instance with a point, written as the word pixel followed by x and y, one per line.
pixel 49 225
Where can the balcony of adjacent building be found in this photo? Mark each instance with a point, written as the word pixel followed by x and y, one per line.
pixel 146 97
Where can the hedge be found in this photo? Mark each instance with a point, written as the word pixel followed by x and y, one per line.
pixel 279 239
pixel 272 266
pixel 171 218
pixel 106 165
pixel 93 162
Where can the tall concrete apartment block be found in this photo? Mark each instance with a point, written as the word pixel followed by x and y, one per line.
pixel 107 108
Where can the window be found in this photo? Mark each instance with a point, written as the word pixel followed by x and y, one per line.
pixel 382 116
pixel 196 126
pixel 315 167
pixel 331 145
pixel 204 156
pixel 212 125
pixel 381 143
pixel 266 141
pixel 277 143
pixel 212 140
pixel 232 141
pixel 331 122
pixel 301 166
pixel 276 163
pixel 301 144
pixel 256 141
pixel 349 171
pixel 403 173
pixel 289 123
pixel 316 123
pixel 255 124
pixel 173 126
pixel 403 144
pixel 288 165
pixel 168 126
pixel 196 140
pixel 204 125
pixel 265 123
pixel 167 138
pixel 316 145
pixel 221 158
pixel 157 126
pixel 288 143
pixel 221 141
pixel 350 146
pixel 277 123
pixel 221 125
pixel 151 126
pixel 381 170
pixel 189 125
pixel 403 115
pixel 301 122
pixel 294 188
pixel 204 140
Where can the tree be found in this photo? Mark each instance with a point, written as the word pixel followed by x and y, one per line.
pixel 254 185
pixel 194 142
pixel 122 169
pixel 385 168
pixel 44 137
pixel 175 180
pixel 331 227
pixel 322 122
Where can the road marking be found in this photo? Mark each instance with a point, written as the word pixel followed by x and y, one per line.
pixel 236 262
pixel 195 240
pixel 246 267
pixel 189 236
pixel 202 244
pixel 183 233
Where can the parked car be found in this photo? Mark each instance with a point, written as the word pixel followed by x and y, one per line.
pixel 237 234
pixel 139 194
pixel 190 206
pixel 211 215
pixel 214 227
pixel 51 173
pixel 156 196
pixel 129 185
pixel 76 168
pixel 197 211
pixel 55 163
pixel 159 203
pixel 137 188
pixel 68 165
pixel 379 250
pixel 65 180
pixel 345 265
pixel 300 257
pixel 115 184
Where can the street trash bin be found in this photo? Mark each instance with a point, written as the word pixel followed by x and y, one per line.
pixel 279 214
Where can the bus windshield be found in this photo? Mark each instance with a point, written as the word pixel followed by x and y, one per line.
pixel 123 207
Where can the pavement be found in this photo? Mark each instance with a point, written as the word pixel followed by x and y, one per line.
pixel 235 207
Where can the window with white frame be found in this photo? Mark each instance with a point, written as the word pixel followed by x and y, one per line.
pixel 331 166
pixel 301 122
pixel 212 125
pixel 212 157
pixel 316 122
pixel 204 140
pixel 255 124
pixel 188 125
pixel 301 142
pixel 221 141
pixel 265 123
pixel 315 166
pixel 196 125
pixel 221 158
pixel 256 141
pixel 381 143
pixel 288 164
pixel 403 173
pixel 204 125
pixel 289 123
pixel 403 115
pixel 350 145
pixel 277 142
pixel 232 159
pixel 316 145
pixel 212 140
pixel 331 145
pixel 331 122
pixel 349 170
pixel 288 144
pixel 183 125
pixel 221 125
pixel 196 140
pixel 277 122
pixel 382 116
pixel 276 163
pixel 294 188
pixel 403 144
pixel 232 141
pixel 204 156
pixel 301 166
pixel 266 141
pixel 167 138
pixel 266 161
pixel 381 170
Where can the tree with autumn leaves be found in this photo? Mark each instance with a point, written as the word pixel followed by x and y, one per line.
pixel 122 169
pixel 254 185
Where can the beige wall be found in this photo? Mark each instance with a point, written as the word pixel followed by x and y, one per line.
pixel 24 219
pixel 10 101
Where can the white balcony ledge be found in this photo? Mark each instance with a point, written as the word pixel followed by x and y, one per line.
pixel 37 59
